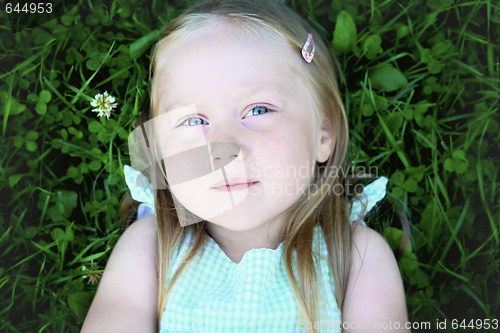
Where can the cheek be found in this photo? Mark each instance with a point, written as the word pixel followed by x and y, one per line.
pixel 176 141
pixel 287 159
pixel 297 145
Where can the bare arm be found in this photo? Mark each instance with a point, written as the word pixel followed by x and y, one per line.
pixel 375 293
pixel 126 299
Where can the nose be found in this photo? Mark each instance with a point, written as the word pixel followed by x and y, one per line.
pixel 226 141
pixel 223 153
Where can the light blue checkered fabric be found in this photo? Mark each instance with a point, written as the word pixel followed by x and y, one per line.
pixel 214 294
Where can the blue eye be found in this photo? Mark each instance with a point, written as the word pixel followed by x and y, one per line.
pixel 257 111
pixel 194 121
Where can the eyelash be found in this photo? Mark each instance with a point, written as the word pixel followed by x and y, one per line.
pixel 187 120
pixel 268 110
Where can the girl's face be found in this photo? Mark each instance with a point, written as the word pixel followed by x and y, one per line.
pixel 237 127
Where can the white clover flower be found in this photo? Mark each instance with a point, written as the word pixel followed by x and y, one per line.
pixel 92 276
pixel 103 104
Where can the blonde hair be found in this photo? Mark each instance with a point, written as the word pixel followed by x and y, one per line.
pixel 322 206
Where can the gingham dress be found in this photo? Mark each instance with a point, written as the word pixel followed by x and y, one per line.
pixel 214 294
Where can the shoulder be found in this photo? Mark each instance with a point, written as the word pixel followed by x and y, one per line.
pixel 368 242
pixel 126 299
pixel 375 290
pixel 138 242
pixel 141 235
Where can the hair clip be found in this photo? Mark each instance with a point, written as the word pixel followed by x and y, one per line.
pixel 308 56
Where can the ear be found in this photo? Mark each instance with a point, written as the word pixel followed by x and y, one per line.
pixel 326 141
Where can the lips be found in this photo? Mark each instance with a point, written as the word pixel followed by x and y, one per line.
pixel 234 185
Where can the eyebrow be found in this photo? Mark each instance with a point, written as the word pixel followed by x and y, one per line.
pixel 173 107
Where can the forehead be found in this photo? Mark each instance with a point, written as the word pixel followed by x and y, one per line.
pixel 226 56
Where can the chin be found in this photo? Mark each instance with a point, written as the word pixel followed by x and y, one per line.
pixel 241 219
pixel 234 221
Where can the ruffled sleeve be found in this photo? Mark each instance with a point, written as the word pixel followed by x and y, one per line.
pixel 141 190
pixel 364 202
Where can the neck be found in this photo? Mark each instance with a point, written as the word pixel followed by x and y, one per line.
pixel 236 243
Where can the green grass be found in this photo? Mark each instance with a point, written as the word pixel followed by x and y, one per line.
pixel 421 87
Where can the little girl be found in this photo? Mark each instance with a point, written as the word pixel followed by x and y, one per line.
pixel 249 233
